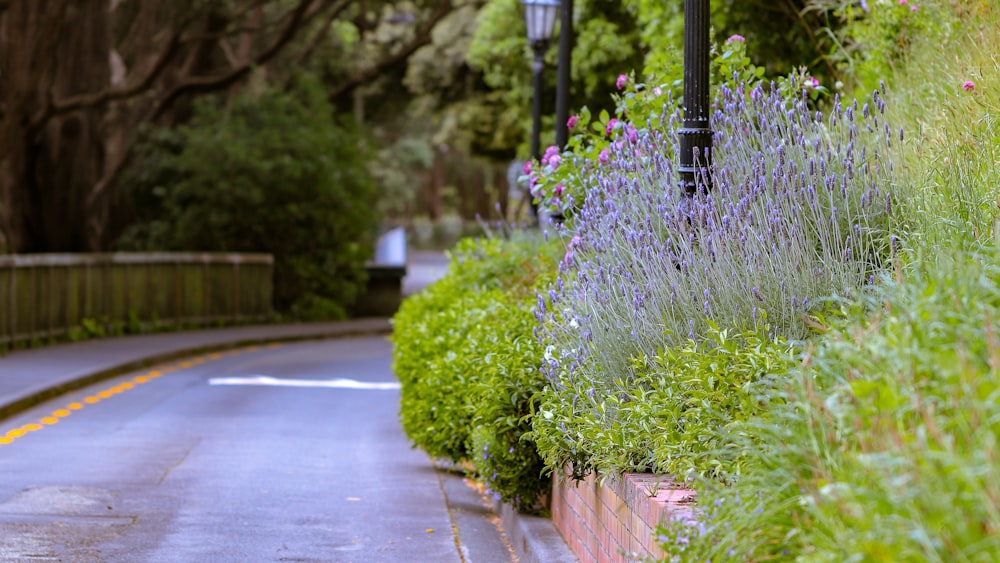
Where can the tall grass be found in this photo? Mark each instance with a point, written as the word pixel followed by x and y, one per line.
pixel 953 151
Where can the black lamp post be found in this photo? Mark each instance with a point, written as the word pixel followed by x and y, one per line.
pixel 696 135
pixel 540 15
pixel 564 73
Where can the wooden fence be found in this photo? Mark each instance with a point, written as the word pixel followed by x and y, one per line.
pixel 44 295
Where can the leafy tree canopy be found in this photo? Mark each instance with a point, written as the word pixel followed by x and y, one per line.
pixel 273 173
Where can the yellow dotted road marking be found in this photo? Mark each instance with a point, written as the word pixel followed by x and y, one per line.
pixel 58 414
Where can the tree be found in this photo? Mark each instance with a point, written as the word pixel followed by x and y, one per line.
pixel 80 77
pixel 275 172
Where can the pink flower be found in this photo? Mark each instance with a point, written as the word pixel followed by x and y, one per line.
pixel 571 122
pixel 554 161
pixel 657 91
pixel 603 157
pixel 611 126
pixel 633 135
pixel 622 81
pixel 969 86
pixel 914 8
pixel 811 82
pixel 735 38
pixel 549 153
pixel 527 167
pixel 559 190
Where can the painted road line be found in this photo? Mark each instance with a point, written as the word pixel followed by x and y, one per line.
pixel 268 381
pixel 11 435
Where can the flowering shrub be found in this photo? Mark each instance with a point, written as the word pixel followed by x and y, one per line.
pixel 800 211
pixel 557 182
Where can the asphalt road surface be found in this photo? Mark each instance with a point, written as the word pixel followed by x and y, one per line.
pixel 277 453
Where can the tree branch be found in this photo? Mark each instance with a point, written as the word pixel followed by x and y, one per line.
pixel 74 103
pixel 323 32
pixel 423 37
pixel 300 17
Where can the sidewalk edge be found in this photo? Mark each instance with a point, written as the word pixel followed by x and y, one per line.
pixel 22 404
pixel 534 538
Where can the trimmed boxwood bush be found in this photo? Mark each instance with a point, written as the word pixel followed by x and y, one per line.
pixel 468 361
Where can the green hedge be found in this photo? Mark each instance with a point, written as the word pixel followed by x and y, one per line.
pixel 468 361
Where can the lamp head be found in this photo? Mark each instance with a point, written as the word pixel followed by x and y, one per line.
pixel 540 15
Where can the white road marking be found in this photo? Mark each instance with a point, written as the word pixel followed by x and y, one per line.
pixel 267 380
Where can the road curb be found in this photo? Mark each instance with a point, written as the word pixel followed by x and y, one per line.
pixel 534 538
pixel 346 329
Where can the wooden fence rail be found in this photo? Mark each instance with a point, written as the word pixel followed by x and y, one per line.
pixel 44 295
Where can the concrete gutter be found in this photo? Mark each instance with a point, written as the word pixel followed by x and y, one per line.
pixel 534 538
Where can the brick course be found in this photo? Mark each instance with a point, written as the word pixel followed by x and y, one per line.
pixel 615 522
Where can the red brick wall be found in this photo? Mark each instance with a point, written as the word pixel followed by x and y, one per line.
pixel 616 521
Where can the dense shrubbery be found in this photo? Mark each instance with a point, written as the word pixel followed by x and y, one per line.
pixel 468 361
pixel 672 415
pixel 800 211
pixel 814 341
pixel 275 173
pixel 881 447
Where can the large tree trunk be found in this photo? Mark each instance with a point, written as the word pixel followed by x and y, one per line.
pixel 48 166
pixel 70 151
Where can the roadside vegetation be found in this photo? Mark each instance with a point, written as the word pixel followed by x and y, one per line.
pixel 812 344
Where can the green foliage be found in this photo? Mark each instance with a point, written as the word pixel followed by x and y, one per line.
pixel 276 173
pixel 467 359
pixel 882 447
pixel 395 168
pixel 868 40
pixel 606 44
pixel 674 418
pixel 507 399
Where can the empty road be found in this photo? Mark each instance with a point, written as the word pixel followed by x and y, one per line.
pixel 276 453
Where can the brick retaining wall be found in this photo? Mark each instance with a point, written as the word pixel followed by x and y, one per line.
pixel 616 521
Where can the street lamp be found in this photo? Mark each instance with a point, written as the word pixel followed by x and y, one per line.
pixel 696 133
pixel 564 73
pixel 540 15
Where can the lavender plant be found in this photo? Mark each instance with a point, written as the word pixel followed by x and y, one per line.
pixel 801 209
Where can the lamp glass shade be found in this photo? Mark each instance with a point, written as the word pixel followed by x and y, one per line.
pixel 540 15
